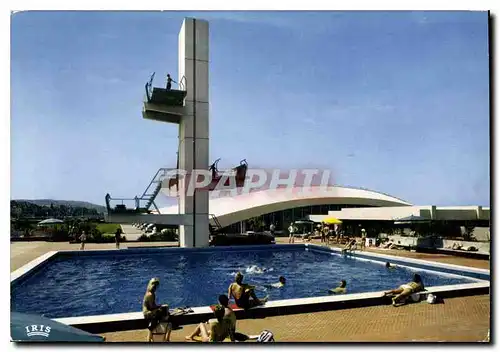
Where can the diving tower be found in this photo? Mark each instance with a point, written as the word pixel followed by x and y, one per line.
pixel 188 107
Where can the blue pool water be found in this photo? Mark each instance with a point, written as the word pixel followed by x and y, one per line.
pixel 98 284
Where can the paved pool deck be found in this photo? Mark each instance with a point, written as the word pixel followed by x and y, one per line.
pixel 22 253
pixel 463 319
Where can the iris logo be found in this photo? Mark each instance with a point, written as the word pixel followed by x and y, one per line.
pixel 37 330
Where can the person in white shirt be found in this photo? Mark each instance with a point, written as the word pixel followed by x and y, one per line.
pixel 291 230
pixel 363 239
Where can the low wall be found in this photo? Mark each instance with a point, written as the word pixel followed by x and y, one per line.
pixel 405 241
pixel 483 247
pixel 438 243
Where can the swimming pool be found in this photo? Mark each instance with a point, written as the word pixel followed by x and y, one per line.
pixel 94 283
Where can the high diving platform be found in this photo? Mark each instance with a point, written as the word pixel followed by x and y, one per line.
pixel 164 105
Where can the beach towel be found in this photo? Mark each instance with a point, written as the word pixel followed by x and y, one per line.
pixel 181 311
pixel 233 306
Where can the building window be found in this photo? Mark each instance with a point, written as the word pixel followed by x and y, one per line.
pixel 287 217
pixel 315 209
pixel 306 211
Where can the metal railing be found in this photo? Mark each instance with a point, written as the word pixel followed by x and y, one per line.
pixel 218 226
pixel 183 83
pixel 149 87
pixel 142 203
pixel 158 177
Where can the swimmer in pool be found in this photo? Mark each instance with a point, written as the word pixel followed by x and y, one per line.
pixel 256 270
pixel 390 266
pixel 243 292
pixel 340 289
pixel 280 284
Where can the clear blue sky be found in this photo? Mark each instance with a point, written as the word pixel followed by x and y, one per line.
pixel 392 101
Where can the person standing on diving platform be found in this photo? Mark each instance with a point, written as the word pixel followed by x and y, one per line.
pixel 169 82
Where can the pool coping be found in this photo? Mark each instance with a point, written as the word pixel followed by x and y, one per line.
pixel 21 272
pixel 393 258
pixel 412 260
pixel 135 320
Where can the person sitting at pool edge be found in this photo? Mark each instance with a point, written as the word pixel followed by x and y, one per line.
pixel 242 292
pixel 228 315
pixel 280 284
pixel 152 312
pixel 340 289
pixel 406 290
pixel 216 330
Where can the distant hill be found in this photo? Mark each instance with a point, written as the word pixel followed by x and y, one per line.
pixel 70 203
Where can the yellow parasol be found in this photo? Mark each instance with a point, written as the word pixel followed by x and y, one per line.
pixel 332 221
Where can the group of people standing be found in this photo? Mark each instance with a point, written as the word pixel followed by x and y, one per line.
pixel 325 232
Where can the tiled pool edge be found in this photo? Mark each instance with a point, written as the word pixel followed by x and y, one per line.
pixel 131 321
pixel 28 268
pixel 399 258
pixel 427 264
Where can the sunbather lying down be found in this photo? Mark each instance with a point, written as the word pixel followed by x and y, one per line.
pixel 406 290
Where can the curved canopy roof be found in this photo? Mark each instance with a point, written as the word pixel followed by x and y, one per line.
pixel 230 210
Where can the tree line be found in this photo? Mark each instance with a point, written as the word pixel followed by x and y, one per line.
pixel 26 210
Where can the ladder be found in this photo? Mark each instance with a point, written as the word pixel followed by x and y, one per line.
pixel 218 227
pixel 150 193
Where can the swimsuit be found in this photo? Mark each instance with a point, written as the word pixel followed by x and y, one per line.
pixel 243 301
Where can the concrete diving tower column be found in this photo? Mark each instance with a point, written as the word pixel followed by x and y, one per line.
pixel 188 107
pixel 194 128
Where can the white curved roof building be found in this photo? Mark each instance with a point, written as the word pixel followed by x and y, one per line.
pixel 231 210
